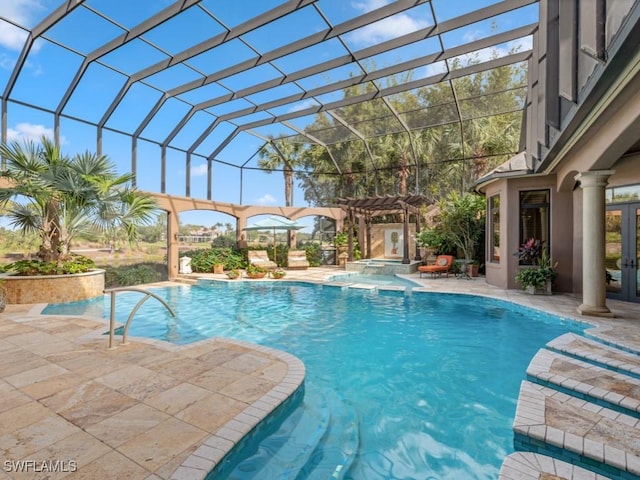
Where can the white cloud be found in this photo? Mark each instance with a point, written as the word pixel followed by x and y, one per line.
pixel 266 199
pixel 298 106
pixel 484 55
pixel 369 5
pixel 385 29
pixel 21 12
pixel 472 35
pixel 199 170
pixel 29 131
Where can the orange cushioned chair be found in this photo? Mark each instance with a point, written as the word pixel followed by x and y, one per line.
pixel 443 265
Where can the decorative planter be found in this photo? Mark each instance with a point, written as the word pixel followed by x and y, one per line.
pixel 233 275
pixel 545 290
pixel 218 268
pixel 278 275
pixel 53 288
pixel 473 269
pixel 256 275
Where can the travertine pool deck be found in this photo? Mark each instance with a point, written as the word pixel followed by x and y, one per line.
pixel 150 410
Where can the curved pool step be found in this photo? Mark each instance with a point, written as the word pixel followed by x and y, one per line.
pixel 337 450
pixel 597 353
pixel 532 466
pixel 586 381
pixel 287 450
pixel 579 432
pixel 318 440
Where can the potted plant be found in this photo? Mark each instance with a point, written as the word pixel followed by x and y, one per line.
pixel 278 273
pixel 538 273
pixel 430 240
pixel 255 271
pixel 473 268
pixel 218 268
pixel 233 274
pixel 341 241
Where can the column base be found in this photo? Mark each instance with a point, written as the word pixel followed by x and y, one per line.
pixel 595 311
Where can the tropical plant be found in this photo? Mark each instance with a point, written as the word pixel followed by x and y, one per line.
pixel 538 275
pixel 70 264
pixel 530 252
pixel 341 239
pixel 203 261
pixel 138 274
pixel 285 155
pixel 253 269
pixel 60 197
pixel 278 273
pixel 461 218
pixel 429 238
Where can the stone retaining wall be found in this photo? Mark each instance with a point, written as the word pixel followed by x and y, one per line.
pixel 53 288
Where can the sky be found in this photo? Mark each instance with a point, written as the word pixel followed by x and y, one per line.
pixel 49 69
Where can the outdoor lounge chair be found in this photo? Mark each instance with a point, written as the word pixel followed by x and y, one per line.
pixel 443 265
pixel 260 258
pixel 298 259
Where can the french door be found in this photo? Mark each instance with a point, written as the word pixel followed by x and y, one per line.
pixel 622 250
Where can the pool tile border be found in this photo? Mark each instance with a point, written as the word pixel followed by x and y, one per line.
pixel 215 447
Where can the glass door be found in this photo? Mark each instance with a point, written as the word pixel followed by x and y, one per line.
pixel 621 252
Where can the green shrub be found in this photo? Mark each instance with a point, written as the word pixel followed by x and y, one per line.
pixel 69 265
pixel 127 275
pixel 202 261
pixel 314 254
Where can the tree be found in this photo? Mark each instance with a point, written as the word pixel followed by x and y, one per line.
pixel 59 197
pixel 285 155
pixel 454 139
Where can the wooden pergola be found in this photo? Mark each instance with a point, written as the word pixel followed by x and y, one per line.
pixel 366 208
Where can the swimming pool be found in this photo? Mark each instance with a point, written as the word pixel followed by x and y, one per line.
pixel 372 279
pixel 398 386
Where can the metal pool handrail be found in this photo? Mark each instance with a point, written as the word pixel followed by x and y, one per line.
pixel 112 313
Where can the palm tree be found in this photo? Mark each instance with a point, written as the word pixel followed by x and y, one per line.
pixel 285 155
pixel 59 197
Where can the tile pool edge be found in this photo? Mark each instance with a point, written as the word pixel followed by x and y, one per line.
pixel 214 448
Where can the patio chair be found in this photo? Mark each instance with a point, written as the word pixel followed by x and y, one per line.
pixel 298 260
pixel 260 258
pixel 443 265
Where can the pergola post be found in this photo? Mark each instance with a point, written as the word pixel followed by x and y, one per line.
pixel 350 244
pixel 368 234
pixel 405 250
pixel 361 236
pixel 418 257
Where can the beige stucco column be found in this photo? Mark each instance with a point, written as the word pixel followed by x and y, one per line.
pixel 173 246
pixel 593 243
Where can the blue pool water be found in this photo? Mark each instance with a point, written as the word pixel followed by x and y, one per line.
pixel 373 279
pixel 398 386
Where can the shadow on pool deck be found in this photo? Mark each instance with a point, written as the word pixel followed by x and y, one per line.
pixel 150 410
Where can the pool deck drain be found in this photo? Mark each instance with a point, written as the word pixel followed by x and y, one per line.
pixel 155 411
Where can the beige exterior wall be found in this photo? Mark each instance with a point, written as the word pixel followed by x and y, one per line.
pixel 377 239
pixel 627 171
pixel 503 274
pixel 566 223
